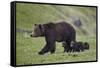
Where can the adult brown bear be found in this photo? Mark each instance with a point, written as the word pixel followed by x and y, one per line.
pixel 60 32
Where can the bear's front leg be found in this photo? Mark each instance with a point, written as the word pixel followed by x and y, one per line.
pixel 47 48
pixel 50 42
pixel 44 50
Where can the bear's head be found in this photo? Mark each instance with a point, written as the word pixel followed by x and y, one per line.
pixel 86 45
pixel 38 30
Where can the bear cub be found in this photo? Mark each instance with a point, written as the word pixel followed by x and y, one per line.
pixel 77 46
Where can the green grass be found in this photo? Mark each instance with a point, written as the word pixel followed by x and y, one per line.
pixel 29 14
pixel 27 48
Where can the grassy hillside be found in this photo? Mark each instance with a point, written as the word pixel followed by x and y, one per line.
pixel 29 14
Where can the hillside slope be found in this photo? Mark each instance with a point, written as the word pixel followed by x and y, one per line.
pixel 28 14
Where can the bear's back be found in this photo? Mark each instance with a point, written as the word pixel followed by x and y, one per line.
pixel 64 30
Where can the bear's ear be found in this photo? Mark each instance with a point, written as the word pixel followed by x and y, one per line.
pixel 35 24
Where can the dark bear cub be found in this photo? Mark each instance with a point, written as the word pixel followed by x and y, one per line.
pixel 79 46
pixel 76 46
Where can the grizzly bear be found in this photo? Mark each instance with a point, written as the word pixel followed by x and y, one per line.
pixel 54 32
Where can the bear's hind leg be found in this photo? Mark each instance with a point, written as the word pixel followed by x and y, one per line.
pixel 67 47
pixel 53 49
